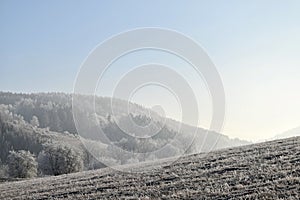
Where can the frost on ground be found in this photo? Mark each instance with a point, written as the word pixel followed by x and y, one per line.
pixel 268 170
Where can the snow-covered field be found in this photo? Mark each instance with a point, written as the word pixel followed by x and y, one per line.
pixel 268 170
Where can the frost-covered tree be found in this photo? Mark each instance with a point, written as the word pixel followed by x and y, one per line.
pixel 59 159
pixel 3 170
pixel 34 121
pixel 22 164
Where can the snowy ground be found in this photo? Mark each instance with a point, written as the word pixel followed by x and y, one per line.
pixel 268 170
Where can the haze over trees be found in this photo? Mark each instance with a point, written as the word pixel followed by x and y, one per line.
pixel 43 124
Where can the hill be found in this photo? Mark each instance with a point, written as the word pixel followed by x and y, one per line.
pixel 17 134
pixel 290 133
pixel 50 116
pixel 269 170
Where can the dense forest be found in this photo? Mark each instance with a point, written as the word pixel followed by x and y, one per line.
pixel 40 128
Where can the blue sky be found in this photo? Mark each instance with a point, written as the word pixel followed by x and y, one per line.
pixel 254 44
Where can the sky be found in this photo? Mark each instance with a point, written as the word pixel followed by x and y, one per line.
pixel 254 45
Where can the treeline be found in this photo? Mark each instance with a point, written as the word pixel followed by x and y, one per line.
pixel 28 151
pixel 41 126
pixel 52 110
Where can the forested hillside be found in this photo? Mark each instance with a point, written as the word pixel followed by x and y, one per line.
pixel 17 135
pixel 33 122
pixel 54 110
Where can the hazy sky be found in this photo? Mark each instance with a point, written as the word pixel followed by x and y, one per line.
pixel 255 46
